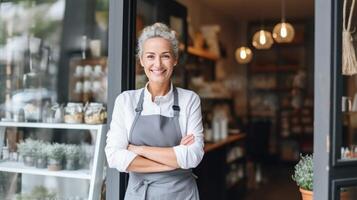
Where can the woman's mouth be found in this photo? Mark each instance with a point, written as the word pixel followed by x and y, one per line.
pixel 158 71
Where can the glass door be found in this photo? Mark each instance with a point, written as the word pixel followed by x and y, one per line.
pixel 335 150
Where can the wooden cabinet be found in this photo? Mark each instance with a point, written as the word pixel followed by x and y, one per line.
pixel 222 174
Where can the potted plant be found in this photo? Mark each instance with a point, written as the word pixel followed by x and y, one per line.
pixel 303 176
pixel 72 154
pixel 27 149
pixel 55 156
pixel 41 155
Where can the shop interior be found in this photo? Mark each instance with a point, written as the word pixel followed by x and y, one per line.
pixel 257 96
pixel 256 90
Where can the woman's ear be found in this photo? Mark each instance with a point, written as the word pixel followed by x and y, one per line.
pixel 141 62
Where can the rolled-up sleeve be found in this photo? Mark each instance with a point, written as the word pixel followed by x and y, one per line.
pixel 117 139
pixel 190 156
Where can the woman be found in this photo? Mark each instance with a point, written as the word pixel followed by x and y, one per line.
pixel 156 132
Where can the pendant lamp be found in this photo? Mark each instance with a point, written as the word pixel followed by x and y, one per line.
pixel 283 32
pixel 262 39
pixel 243 55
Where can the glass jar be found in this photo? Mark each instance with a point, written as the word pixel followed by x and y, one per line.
pixel 95 113
pixel 73 113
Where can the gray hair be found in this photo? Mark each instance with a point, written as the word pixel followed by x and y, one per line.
pixel 158 30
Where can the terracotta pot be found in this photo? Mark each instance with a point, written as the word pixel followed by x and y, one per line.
pixel 345 195
pixel 306 194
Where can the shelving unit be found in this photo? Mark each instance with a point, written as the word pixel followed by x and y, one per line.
pixel 271 93
pixel 17 167
pixel 202 53
pixel 93 175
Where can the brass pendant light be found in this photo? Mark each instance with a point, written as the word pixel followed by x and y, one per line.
pixel 283 32
pixel 262 39
pixel 243 55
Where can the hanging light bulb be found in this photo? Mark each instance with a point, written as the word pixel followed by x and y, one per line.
pixel 283 32
pixel 262 39
pixel 243 55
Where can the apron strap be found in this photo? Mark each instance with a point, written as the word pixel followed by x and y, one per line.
pixel 138 110
pixel 176 106
pixel 139 106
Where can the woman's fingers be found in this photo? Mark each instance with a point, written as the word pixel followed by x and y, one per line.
pixel 191 141
pixel 187 140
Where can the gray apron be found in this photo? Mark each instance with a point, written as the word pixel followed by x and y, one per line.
pixel 159 131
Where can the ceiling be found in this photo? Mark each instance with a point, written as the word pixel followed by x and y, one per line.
pixel 263 9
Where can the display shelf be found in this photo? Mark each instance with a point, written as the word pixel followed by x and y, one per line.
pixel 51 125
pixel 274 68
pixel 236 160
pixel 94 176
pixel 18 167
pixel 212 98
pixel 202 53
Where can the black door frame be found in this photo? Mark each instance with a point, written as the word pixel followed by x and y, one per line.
pixel 120 75
pixel 330 174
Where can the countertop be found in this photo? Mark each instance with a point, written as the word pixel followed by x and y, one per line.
pixel 210 146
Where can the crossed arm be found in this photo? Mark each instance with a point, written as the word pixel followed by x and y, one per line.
pixel 156 159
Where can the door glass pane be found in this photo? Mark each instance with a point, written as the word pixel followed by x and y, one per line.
pixel 348 148
pixel 51 52
pixel 147 15
pixel 348 193
pixel 53 61
pixel 144 17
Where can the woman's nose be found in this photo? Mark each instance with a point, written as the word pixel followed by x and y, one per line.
pixel 157 62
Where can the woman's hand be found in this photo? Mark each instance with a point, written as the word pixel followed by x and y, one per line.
pixel 135 149
pixel 188 140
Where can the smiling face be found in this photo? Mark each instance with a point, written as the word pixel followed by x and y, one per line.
pixel 158 60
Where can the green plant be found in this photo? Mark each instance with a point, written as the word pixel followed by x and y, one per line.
pixel 303 173
pixel 38 192
pixel 55 151
pixel 41 150
pixel 72 152
pixel 28 147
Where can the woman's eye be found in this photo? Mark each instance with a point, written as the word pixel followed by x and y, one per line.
pixel 150 56
pixel 166 56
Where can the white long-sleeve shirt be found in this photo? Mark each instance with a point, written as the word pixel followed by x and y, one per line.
pixel 190 120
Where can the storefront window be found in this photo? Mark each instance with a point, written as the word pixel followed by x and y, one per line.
pixel 349 83
pixel 53 95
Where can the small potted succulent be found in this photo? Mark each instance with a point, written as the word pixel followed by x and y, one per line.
pixel 72 154
pixel 41 155
pixel 303 176
pixel 27 150
pixel 55 154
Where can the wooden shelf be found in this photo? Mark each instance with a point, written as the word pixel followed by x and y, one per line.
pixel 273 68
pixel 274 89
pixel 52 125
pixel 221 143
pixel 263 114
pixel 202 53
pixel 18 167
